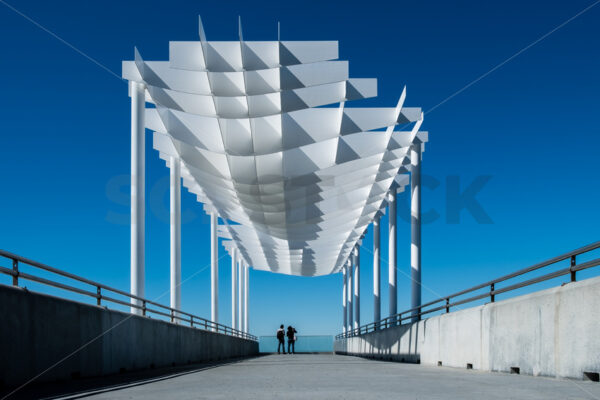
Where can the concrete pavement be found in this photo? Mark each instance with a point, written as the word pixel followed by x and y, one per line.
pixel 324 376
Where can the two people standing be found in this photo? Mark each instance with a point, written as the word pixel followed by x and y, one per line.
pixel 291 336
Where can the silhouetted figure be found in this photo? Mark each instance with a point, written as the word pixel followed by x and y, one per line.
pixel 291 335
pixel 281 338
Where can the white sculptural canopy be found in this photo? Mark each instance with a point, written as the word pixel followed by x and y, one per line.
pixel 265 139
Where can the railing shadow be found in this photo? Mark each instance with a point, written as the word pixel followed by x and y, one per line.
pixel 399 343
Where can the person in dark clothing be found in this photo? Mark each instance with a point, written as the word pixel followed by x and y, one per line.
pixel 281 339
pixel 291 335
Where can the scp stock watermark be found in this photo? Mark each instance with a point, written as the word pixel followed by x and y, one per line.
pixel 302 200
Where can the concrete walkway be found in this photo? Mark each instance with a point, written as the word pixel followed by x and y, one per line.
pixel 340 377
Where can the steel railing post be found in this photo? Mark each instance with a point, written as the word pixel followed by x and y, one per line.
pixel 392 320
pixel 131 300
pixel 16 273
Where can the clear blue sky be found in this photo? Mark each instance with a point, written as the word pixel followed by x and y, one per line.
pixel 531 125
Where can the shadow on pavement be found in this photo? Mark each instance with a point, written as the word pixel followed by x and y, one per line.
pixel 83 387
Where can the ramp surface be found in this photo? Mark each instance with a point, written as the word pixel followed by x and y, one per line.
pixel 323 376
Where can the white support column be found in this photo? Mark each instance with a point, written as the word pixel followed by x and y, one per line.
pixel 246 296
pixel 376 272
pixel 175 225
pixel 138 180
pixel 241 294
pixel 214 269
pixel 415 225
pixel 350 295
pixel 344 299
pixel 356 252
pixel 392 281
pixel 234 310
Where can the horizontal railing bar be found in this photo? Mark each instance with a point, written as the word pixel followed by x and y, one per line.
pixel 210 324
pixel 529 282
pixel 124 303
pixel 461 302
pixel 149 310
pixel 106 298
pixel 588 264
pixel 43 266
pixel 34 278
pixel 200 321
pixel 534 267
pixel 533 281
pixel 546 263
pixel 304 336
pixel 394 319
pixel 64 273
pixel 23 275
pixel 187 321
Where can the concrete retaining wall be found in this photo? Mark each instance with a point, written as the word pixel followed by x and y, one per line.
pixel 37 330
pixel 554 332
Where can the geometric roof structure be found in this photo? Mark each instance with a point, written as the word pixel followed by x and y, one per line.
pixel 266 138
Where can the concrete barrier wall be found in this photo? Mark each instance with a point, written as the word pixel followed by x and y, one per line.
pixel 37 330
pixel 554 332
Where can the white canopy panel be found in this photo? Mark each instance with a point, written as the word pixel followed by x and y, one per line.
pixel 265 140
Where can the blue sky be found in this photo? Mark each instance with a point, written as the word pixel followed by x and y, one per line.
pixel 531 126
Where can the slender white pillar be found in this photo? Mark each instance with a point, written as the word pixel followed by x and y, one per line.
pixel 138 182
pixel 240 294
pixel 344 299
pixel 234 310
pixel 350 296
pixel 392 281
pixel 415 225
pixel 246 296
pixel 243 296
pixel 214 269
pixel 356 286
pixel 175 225
pixel 376 272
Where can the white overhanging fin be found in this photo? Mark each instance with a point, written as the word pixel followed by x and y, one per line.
pixel 295 182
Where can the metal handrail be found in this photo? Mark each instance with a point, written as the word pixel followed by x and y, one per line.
pixel 416 313
pixel 174 314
